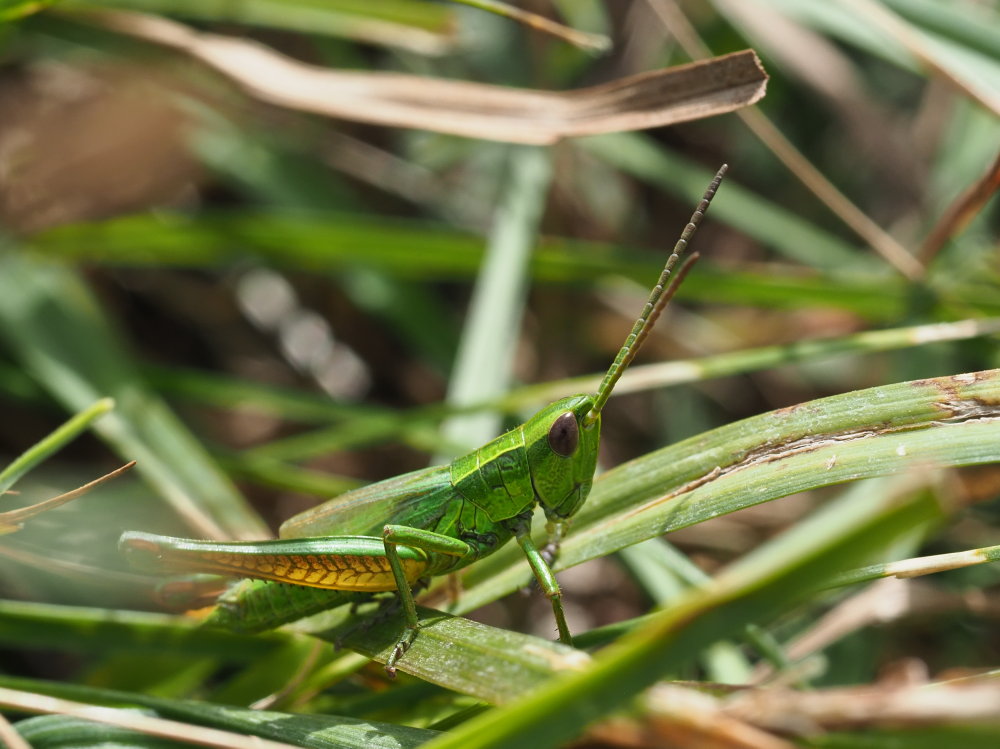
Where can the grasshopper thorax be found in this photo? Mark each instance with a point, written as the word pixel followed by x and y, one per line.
pixel 549 459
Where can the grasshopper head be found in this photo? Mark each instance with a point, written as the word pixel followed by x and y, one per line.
pixel 562 439
pixel 562 454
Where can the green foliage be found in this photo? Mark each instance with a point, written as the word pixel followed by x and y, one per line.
pixel 276 302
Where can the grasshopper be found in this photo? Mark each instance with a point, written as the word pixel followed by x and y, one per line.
pixel 396 534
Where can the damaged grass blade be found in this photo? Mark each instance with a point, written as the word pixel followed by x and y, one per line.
pixel 475 110
pixel 13 520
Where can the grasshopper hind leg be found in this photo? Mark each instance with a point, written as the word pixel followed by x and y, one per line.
pixel 389 605
pixel 409 632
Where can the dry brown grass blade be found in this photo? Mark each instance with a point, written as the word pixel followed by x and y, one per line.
pixel 884 601
pixel 653 99
pixel 9 737
pixel 683 718
pixel 761 718
pixel 13 520
pixel 961 211
pixel 875 706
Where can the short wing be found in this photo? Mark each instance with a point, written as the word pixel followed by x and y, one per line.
pixel 415 499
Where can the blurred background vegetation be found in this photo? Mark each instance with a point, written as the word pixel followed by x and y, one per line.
pixel 275 299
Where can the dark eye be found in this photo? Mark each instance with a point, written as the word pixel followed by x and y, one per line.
pixel 564 435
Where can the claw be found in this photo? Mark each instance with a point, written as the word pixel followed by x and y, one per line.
pixel 407 638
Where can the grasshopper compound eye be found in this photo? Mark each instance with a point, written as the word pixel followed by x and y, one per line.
pixel 564 434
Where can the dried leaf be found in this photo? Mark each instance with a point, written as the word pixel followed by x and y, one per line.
pixel 12 520
pixel 475 110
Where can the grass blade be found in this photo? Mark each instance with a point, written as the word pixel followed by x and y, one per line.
pixel 53 443
pixel 765 583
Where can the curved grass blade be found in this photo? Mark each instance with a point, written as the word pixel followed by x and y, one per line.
pixel 510 115
pixel 52 443
pixel 946 421
pixel 767 582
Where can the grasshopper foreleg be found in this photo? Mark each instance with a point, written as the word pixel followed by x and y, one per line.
pixel 428 541
pixel 547 581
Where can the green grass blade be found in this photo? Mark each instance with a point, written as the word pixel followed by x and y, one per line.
pixel 416 27
pixel 484 361
pixel 358 426
pixel 917 566
pixel 648 376
pixel 53 442
pixel 418 251
pixel 875 432
pixel 229 392
pixel 767 582
pixel 455 652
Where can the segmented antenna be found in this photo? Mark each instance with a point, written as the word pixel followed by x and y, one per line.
pixel 661 294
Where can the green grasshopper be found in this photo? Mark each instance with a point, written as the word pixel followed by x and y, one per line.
pixel 398 533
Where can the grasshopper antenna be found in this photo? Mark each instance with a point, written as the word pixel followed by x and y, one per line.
pixel 662 293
